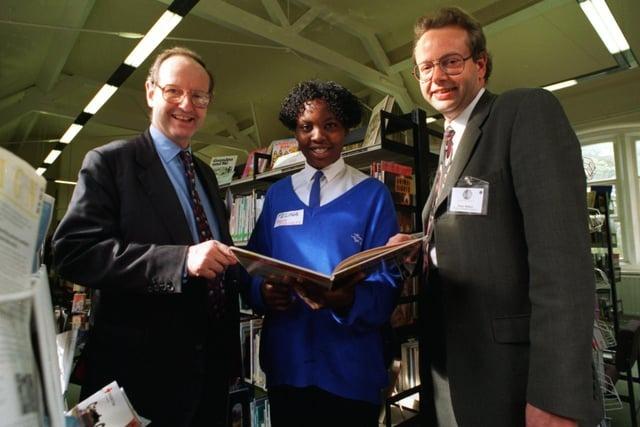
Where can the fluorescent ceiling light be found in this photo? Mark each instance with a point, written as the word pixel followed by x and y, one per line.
pixel 40 171
pixel 561 85
pixel 153 38
pixel 605 25
pixel 126 35
pixel 62 181
pixel 100 99
pixel 70 133
pixel 53 155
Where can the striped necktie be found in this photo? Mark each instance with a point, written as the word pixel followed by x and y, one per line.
pixel 438 184
pixel 215 286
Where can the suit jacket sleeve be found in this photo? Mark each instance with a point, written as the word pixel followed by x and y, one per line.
pixel 90 247
pixel 550 187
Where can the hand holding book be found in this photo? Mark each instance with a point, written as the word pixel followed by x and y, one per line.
pixel 339 299
pixel 277 296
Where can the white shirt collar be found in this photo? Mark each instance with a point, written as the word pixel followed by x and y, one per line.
pixel 460 123
pixel 330 172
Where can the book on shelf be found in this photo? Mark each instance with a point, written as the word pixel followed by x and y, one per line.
pixel 372 136
pixel 223 167
pixel 245 210
pixel 398 178
pixel 362 262
pixel 281 147
pixel 249 166
pixel 239 408
pixel 250 331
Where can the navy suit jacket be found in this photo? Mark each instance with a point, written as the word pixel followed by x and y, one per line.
pixel 510 307
pixel 126 236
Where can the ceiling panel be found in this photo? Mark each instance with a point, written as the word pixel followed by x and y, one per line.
pixel 533 43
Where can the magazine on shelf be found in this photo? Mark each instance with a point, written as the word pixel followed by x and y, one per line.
pixel 223 167
pixel 372 136
pixel 281 147
pixel 249 165
pixel 277 270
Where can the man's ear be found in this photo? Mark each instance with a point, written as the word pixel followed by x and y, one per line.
pixel 150 90
pixel 481 66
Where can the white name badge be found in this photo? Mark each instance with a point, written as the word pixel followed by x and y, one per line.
pixel 289 218
pixel 466 200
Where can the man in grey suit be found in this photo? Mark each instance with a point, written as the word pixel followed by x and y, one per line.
pixel 146 229
pixel 510 288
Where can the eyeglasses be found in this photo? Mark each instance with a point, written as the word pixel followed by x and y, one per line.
pixel 451 65
pixel 175 95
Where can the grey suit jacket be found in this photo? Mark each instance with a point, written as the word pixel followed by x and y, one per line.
pixel 510 307
pixel 125 235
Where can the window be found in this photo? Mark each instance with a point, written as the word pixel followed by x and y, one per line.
pixel 603 158
pixel 612 157
pixel 600 167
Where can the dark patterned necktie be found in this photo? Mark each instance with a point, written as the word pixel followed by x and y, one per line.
pixel 215 286
pixel 438 183
pixel 314 196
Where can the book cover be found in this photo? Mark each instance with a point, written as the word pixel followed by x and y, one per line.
pixel 249 166
pixel 282 147
pixel 277 270
pixel 108 407
pixel 223 167
pixel 400 187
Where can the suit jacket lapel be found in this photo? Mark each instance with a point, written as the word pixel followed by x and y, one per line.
pixel 470 137
pixel 156 183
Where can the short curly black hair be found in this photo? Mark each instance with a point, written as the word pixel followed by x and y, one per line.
pixel 342 103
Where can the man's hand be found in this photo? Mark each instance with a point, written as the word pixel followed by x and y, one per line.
pixel 209 259
pixel 276 296
pixel 538 418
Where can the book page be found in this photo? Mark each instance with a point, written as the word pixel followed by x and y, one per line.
pixel 19 391
pixel 277 270
pixel 109 407
pixel 48 356
pixel 362 261
pixel 21 195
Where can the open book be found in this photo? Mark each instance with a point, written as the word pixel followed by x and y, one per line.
pixel 276 270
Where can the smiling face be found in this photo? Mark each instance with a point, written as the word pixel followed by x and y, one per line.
pixel 450 95
pixel 320 134
pixel 178 122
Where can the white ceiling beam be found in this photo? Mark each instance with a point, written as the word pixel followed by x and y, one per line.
pixel 224 13
pixel 405 64
pixel 275 12
pixel 305 20
pixel 73 14
pixel 231 126
pixel 366 34
pixel 24 127
pixel 368 38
